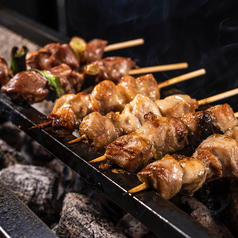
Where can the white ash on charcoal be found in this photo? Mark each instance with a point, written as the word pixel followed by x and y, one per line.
pixel 204 216
pixel 83 217
pixel 36 186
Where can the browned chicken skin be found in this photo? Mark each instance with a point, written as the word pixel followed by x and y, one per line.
pixel 105 97
pixel 164 134
pixel 215 157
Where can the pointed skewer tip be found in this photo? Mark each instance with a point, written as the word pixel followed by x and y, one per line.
pixel 99 159
pixel 77 139
pixel 139 188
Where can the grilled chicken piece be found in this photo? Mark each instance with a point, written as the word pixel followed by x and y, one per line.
pixel 101 130
pixel 52 55
pixel 177 105
pixel 199 125
pixel 157 137
pixel 194 173
pixel 233 133
pixel 113 68
pixel 30 86
pixel 4 72
pixel 105 97
pixel 27 86
pixel 165 176
pixel 226 149
pixel 223 117
pixel 96 128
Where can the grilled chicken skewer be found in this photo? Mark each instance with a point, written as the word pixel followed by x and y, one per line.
pixel 162 135
pixel 69 110
pixel 99 130
pixel 215 157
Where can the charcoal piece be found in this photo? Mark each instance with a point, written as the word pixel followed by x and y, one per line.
pixel 9 156
pixel 203 215
pixel 83 217
pixel 132 227
pixel 37 187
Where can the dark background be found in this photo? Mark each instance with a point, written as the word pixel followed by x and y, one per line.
pixel 202 33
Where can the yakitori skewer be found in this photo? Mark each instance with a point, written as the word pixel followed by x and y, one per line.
pixel 105 97
pixel 100 130
pixel 214 158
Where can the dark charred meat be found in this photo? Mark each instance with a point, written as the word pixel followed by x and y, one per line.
pixel 114 68
pixel 94 50
pixel 52 55
pixel 105 97
pixel 27 86
pixel 31 86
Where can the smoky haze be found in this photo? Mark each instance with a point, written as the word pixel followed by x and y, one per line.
pixel 202 33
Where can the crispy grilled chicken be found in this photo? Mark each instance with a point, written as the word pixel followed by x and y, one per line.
pixel 157 137
pixel 215 157
pixel 99 130
pixel 70 109
pixel 164 135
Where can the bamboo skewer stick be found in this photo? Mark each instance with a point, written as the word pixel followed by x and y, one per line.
pixel 139 188
pixel 125 44
pixel 158 68
pixel 77 139
pixel 99 159
pixel 218 97
pixel 181 78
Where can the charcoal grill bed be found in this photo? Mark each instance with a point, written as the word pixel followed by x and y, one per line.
pixel 162 217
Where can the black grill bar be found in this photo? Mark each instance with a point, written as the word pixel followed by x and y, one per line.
pixel 161 216
pixel 17 220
